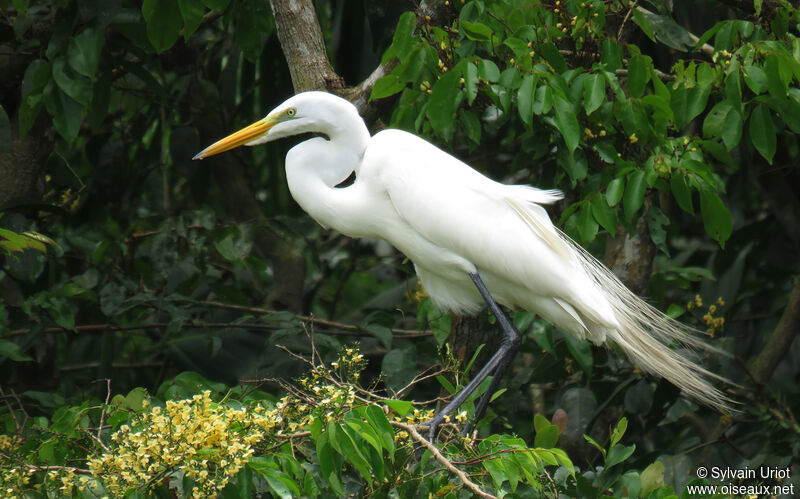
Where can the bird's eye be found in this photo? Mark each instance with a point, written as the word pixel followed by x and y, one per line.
pixel 291 112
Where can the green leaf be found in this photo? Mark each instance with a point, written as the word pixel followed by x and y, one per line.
pixel 279 482
pixel 708 34
pixel 67 114
pixel 594 443
pixel 13 351
pixel 619 453
pixel 755 78
pixel 5 131
pixel 401 407
pixel 614 191
pixel 543 100
pixel 84 52
pixel 476 31
pixel 351 450
pixel 594 92
pixel 733 88
pixel 688 103
pixel 652 478
pixel 605 215
pixel 634 193
pixel 634 118
pixel 403 36
pixel 330 463
pixel 724 121
pixel 386 86
pixel 639 69
pixel 71 83
pixel 643 24
pixel 670 33
pixel 443 103
pixel 488 70
pixel 546 437
pixel 525 96
pixel 382 333
pixel 716 217
pixel 681 191
pixel 611 55
pixel 576 165
pixel 605 149
pixel 378 419
pixel 163 19
pixel 660 106
pixel 471 125
pixel 567 123
pixel 192 13
pixel 553 56
pixel 619 431
pixel 587 226
pixel 789 111
pixel 656 221
pixel 471 82
pixel 253 23
pixel 705 75
pixel 762 132
pixel 540 422
pixel 581 351
pixel 775 83
pixel 135 399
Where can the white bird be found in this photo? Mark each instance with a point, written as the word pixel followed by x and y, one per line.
pixel 473 241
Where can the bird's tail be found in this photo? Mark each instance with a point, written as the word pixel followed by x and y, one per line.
pixel 645 334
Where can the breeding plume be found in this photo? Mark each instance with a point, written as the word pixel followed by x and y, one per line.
pixel 474 242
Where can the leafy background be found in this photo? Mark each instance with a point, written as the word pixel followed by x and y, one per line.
pixel 678 154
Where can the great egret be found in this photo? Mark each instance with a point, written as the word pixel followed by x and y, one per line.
pixel 472 240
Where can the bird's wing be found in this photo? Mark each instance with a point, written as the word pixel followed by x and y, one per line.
pixel 499 229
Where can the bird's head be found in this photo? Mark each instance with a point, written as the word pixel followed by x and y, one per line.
pixel 305 112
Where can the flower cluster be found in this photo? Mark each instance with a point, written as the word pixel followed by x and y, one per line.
pixel 15 480
pixel 417 294
pixel 713 323
pixel 207 441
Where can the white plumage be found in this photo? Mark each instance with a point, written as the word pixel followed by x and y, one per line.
pixel 452 221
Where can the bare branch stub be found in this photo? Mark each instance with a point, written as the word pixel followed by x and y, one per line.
pixel 304 46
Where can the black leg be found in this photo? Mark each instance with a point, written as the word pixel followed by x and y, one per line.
pixel 496 366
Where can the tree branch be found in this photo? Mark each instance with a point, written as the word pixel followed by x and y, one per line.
pixel 341 329
pixel 778 344
pixel 303 46
pixel 440 457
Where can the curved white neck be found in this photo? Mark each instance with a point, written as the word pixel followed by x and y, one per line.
pixel 313 170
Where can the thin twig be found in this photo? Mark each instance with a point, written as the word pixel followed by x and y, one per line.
pixel 627 16
pixel 103 415
pixel 349 330
pixel 115 365
pixel 81 471
pixel 311 319
pixel 296 356
pixel 412 430
pixel 17 426
pixel 420 378
pixel 290 437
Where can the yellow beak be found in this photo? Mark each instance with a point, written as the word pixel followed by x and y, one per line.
pixel 234 140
